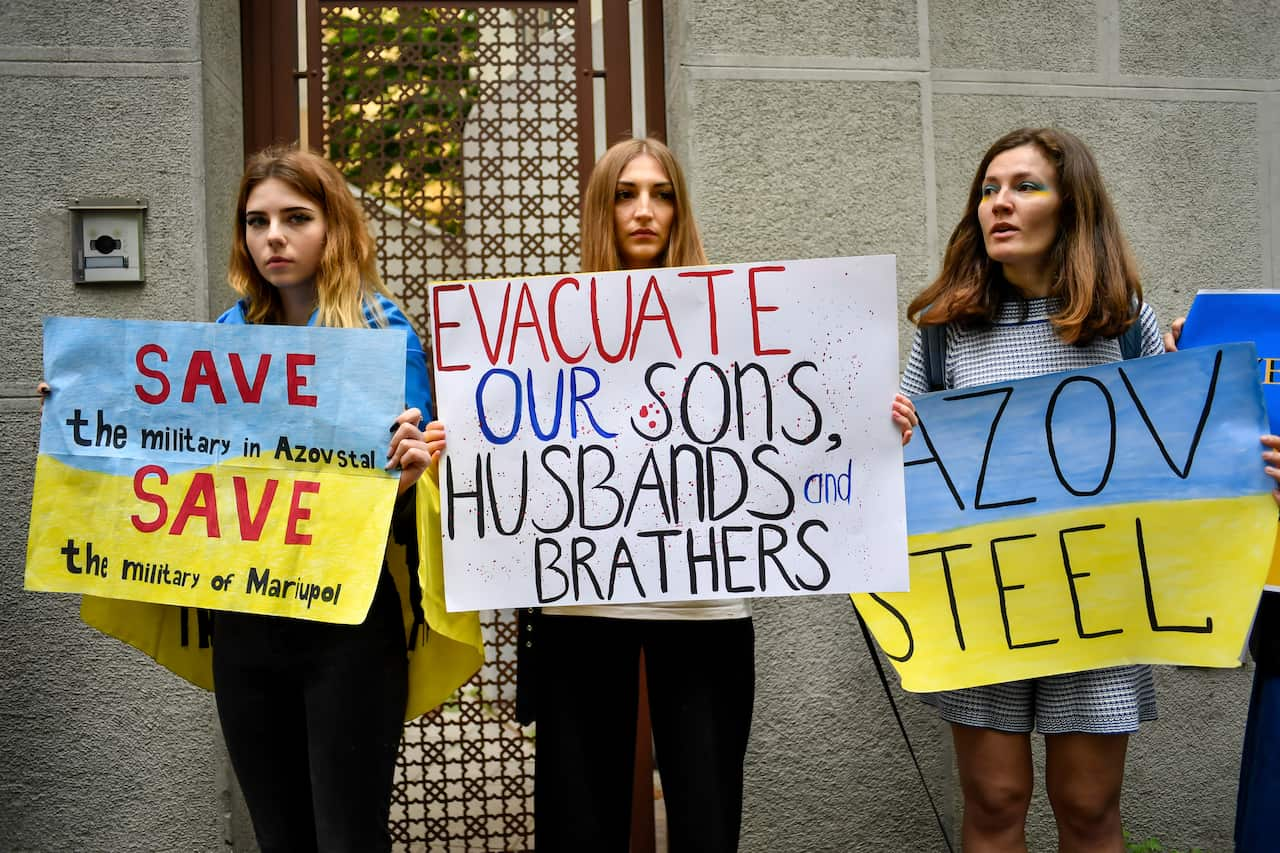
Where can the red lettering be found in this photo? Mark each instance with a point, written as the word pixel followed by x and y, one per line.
pixel 438 325
pixel 162 510
pixel 491 351
pixel 296 380
pixel 757 309
pixel 297 513
pixel 250 393
pixel 144 395
pixel 251 524
pixel 526 298
pixel 595 326
pixel 200 371
pixel 710 275
pixel 554 327
pixel 664 315
pixel 200 501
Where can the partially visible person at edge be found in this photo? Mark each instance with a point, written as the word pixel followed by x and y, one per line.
pixel 699 655
pixel 1038 278
pixel 302 256
pixel 1258 797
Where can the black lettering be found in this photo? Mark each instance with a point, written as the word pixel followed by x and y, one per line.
pixel 564 487
pixel 934 458
pixel 765 398
pixel 1206 628
pixel 728 558
pixel 580 565
pixel 770 553
pixel 946 576
pixel 1111 445
pixel 649 471
pixel 662 536
pixel 813 407
pixel 1071 582
pixel 1002 589
pixel 986 453
pixel 790 503
pixel 622 558
pixel 906 629
pixel 601 486
pixel 1185 470
pixel 539 566
pixel 689 393
pixel 453 493
pixel 493 498
pixel 817 558
pixel 711 481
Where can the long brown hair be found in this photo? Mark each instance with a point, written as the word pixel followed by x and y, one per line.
pixel 600 243
pixel 348 275
pixel 1093 269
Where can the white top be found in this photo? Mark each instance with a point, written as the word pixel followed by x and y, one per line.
pixel 724 608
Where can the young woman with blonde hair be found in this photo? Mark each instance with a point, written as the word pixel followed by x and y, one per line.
pixel 312 712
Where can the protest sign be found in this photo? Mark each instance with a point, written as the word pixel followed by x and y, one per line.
pixel 670 434
pixel 1218 317
pixel 1113 515
pixel 216 466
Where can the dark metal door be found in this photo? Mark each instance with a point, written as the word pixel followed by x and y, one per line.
pixel 466 130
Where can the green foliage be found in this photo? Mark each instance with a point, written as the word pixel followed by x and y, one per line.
pixel 1151 845
pixel 399 83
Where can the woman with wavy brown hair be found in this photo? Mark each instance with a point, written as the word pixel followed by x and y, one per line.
pixel 1038 278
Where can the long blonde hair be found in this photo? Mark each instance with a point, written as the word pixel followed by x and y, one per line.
pixel 347 279
pixel 600 243
pixel 1094 271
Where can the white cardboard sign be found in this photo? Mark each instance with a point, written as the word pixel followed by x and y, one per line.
pixel 670 434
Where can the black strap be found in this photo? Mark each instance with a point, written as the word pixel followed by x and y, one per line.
pixel 897 715
pixel 1131 341
pixel 933 342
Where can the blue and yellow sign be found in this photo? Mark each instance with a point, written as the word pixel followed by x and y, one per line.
pixel 216 466
pixel 1072 521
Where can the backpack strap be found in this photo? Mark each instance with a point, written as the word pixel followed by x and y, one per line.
pixel 933 345
pixel 1131 340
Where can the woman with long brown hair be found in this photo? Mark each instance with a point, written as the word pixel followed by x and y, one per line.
pixel 1038 278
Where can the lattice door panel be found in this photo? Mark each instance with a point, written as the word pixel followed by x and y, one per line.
pixel 458 128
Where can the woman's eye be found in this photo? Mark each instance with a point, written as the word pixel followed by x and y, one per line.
pixel 255 221
pixel 622 195
pixel 667 195
pixel 1030 187
pixel 989 190
pixel 300 218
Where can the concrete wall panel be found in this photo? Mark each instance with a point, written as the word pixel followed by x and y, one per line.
pixel 753 186
pixel 827 768
pixel 1191 38
pixel 145 156
pixel 841 28
pixel 102 749
pixel 106 24
pixel 1037 35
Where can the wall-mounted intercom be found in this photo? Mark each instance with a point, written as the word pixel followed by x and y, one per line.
pixel 106 239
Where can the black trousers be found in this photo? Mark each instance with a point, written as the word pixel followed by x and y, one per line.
pixel 701 679
pixel 312 715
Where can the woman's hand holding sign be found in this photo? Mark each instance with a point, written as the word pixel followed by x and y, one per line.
pixel 408 450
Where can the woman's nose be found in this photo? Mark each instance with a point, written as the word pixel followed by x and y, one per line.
pixel 275 234
pixel 644 205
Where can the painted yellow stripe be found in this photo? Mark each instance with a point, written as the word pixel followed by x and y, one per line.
pixel 1206 562
pixel 349 517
